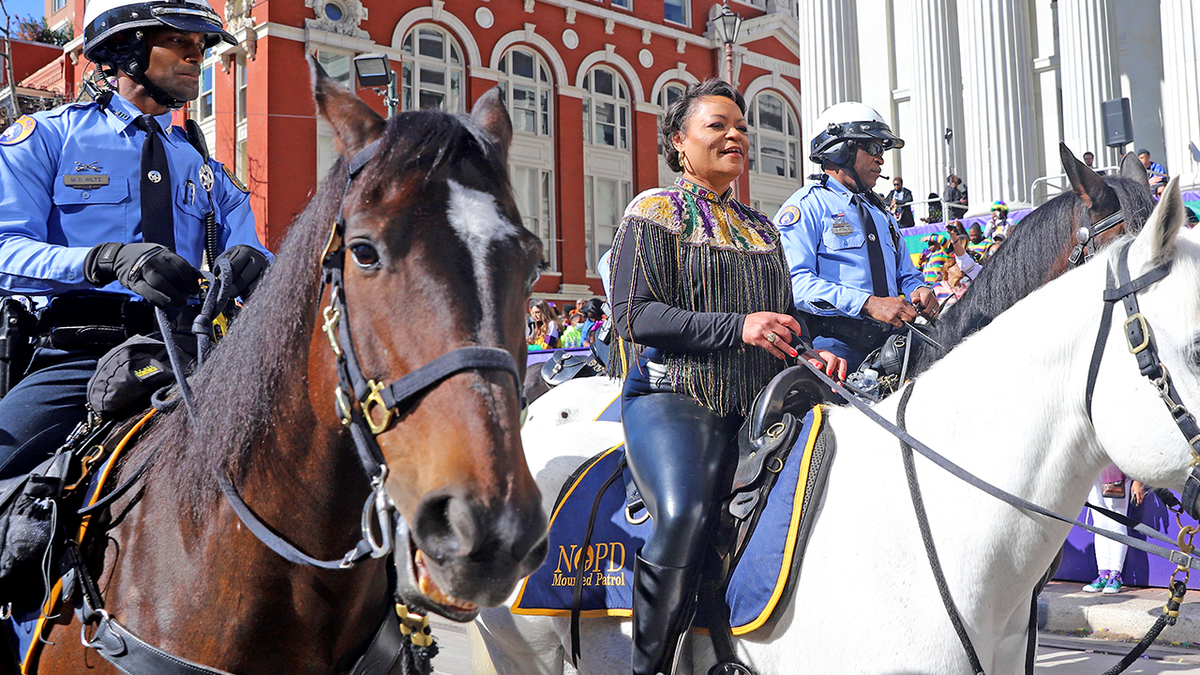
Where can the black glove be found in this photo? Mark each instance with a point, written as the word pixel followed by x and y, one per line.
pixel 248 264
pixel 150 270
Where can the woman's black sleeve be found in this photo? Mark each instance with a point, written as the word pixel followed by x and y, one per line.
pixel 639 316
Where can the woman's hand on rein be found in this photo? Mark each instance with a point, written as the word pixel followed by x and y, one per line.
pixel 833 365
pixel 772 332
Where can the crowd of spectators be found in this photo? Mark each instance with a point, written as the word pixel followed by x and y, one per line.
pixel 576 326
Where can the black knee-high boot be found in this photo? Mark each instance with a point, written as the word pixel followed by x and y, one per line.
pixel 664 602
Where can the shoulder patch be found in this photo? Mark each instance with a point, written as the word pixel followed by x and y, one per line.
pixel 19 131
pixel 234 179
pixel 789 216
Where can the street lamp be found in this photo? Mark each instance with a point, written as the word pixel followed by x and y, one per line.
pixel 373 71
pixel 728 24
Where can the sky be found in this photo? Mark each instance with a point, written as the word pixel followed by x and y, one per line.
pixel 23 8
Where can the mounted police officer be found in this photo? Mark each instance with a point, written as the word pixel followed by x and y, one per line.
pixel 103 211
pixel 850 270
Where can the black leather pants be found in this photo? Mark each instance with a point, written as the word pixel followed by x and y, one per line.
pixel 679 454
pixel 680 457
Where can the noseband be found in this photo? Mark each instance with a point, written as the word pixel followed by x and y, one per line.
pixel 1139 338
pixel 1087 233
pixel 374 404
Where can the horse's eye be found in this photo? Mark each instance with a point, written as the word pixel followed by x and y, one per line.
pixel 365 255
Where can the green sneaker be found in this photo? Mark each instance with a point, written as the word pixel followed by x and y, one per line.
pixel 1114 584
pixel 1099 584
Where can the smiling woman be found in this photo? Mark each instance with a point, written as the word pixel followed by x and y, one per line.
pixel 701 303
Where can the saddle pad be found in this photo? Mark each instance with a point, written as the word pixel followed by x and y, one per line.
pixel 605 565
pixel 31 623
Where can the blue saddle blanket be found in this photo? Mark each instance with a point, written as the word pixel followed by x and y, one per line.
pixel 756 585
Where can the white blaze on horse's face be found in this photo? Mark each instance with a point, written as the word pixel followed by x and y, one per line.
pixel 477 218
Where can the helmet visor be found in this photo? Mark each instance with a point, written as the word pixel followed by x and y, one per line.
pixel 194 21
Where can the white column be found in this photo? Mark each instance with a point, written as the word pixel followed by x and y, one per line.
pixel 828 63
pixel 997 91
pixel 1181 91
pixel 937 102
pixel 1085 39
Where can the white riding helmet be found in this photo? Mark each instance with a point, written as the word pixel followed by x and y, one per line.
pixel 849 121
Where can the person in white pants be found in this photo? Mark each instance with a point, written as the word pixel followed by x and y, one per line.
pixel 1110 491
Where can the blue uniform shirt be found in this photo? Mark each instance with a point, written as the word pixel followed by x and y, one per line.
pixel 826 250
pixel 70 179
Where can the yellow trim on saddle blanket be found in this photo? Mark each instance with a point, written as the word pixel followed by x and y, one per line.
pixel 43 628
pixel 788 553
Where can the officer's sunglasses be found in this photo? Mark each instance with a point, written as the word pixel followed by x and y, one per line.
pixel 873 148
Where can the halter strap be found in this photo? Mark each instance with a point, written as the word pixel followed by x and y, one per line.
pixel 1086 233
pixel 1139 338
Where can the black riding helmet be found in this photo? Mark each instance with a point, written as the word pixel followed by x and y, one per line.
pixel 114 34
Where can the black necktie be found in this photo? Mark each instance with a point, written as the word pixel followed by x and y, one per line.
pixel 879 284
pixel 158 210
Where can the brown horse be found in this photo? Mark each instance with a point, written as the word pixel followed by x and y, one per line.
pixel 432 258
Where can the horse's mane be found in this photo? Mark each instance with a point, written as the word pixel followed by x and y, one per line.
pixel 1023 263
pixel 255 383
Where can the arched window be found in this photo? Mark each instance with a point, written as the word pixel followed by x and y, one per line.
pixel 670 93
pixel 526 85
pixel 606 109
pixel 774 136
pixel 432 70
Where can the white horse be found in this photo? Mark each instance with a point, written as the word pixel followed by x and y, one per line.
pixel 1017 419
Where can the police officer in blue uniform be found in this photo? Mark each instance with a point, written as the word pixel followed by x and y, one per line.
pixel 851 272
pixel 103 210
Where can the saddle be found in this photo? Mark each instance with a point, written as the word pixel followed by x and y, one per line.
pixel 884 370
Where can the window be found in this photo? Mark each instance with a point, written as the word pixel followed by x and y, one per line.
pixel 57 5
pixel 334 12
pixel 606 110
pixel 533 190
pixel 666 96
pixel 774 139
pixel 604 201
pixel 526 89
pixel 623 4
pixel 432 71
pixel 676 11
pixel 240 65
pixel 204 103
pixel 337 66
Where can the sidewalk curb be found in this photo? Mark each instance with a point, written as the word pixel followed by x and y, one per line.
pixel 1064 607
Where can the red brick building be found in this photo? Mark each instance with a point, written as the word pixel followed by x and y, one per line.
pixel 585 81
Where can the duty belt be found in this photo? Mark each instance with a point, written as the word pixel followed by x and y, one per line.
pixel 93 321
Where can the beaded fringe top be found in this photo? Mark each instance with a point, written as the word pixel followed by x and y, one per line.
pixel 704 252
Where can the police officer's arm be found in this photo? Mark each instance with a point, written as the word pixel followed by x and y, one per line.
pixel 244 251
pixel 29 263
pixel 638 314
pixel 801 241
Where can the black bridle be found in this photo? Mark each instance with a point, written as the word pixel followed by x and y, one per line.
pixel 1139 338
pixel 371 410
pixel 1086 233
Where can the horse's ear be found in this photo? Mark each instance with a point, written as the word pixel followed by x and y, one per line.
pixel 1164 224
pixel 1091 189
pixel 491 114
pixel 1131 167
pixel 354 124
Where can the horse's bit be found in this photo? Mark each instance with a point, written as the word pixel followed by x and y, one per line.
pixel 376 403
pixel 1087 233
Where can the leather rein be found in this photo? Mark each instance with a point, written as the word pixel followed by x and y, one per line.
pixel 369 414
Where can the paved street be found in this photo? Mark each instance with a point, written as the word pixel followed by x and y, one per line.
pixel 1057 655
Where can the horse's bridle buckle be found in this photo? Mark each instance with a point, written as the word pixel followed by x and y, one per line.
pixel 1138 348
pixel 332 316
pixel 373 402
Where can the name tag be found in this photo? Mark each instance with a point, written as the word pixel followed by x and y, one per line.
pixel 83 181
pixel 841 226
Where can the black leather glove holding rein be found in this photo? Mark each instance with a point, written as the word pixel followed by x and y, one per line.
pixel 150 270
pixel 248 264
